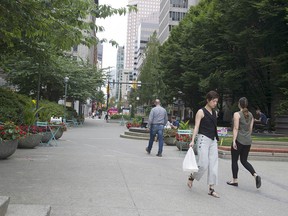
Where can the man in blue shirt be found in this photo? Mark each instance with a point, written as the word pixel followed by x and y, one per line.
pixel 261 123
pixel 262 117
pixel 174 123
pixel 156 122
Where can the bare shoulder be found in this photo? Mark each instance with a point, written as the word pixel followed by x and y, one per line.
pixel 200 113
pixel 236 115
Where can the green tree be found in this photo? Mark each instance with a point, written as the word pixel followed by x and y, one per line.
pixel 238 48
pixel 150 74
pixel 34 37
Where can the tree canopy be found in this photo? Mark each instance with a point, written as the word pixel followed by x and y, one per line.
pixel 238 48
pixel 35 36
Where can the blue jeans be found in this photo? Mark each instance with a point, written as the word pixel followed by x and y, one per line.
pixel 156 129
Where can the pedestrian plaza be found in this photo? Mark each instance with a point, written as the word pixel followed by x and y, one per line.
pixel 94 172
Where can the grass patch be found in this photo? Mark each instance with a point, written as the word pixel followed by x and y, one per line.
pixel 227 141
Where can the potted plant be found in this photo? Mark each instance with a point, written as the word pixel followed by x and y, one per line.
pixel 184 137
pixel 169 136
pixel 133 124
pixel 9 136
pixel 32 138
pixel 183 141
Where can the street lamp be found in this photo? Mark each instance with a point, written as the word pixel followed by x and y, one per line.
pixel 130 106
pixel 122 119
pixel 66 79
pixel 137 105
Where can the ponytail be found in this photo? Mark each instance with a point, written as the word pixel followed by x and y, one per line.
pixel 243 102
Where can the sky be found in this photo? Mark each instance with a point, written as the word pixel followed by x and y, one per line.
pixel 116 29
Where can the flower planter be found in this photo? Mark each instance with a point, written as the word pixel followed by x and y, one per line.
pixel 170 141
pixel 7 148
pixel 30 141
pixel 185 145
pixel 46 137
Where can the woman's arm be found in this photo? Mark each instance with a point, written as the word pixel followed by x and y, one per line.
pixel 236 118
pixel 199 116
pixel 251 125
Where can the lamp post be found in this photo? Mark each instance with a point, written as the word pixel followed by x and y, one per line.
pixel 66 79
pixel 38 94
pixel 122 119
pixel 130 106
pixel 137 105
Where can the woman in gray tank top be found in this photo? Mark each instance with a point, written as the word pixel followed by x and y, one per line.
pixel 242 129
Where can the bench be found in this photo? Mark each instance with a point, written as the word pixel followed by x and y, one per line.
pixel 49 129
pixel 222 133
pixel 73 122
pixel 43 125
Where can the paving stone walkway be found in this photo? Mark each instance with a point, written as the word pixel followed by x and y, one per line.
pixel 94 172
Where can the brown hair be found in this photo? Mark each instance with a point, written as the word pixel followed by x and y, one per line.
pixel 211 95
pixel 243 102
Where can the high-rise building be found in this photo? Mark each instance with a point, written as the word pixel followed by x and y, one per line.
pixel 99 55
pixel 171 13
pixel 145 9
pixel 146 28
pixel 119 71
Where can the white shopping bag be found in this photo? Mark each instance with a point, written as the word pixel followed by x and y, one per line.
pixel 189 163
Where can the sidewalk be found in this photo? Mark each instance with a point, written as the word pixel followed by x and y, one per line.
pixel 94 172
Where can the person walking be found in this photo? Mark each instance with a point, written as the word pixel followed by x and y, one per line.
pixel 207 137
pixel 106 117
pixel 157 120
pixel 242 129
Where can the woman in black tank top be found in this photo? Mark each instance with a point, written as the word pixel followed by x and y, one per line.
pixel 207 148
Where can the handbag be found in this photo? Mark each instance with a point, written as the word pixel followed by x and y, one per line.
pixel 189 162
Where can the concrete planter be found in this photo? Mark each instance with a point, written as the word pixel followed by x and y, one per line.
pixel 170 141
pixel 59 133
pixel 185 145
pixel 7 148
pixel 30 141
pixel 46 137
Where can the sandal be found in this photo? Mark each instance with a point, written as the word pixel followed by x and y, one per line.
pixel 213 193
pixel 190 181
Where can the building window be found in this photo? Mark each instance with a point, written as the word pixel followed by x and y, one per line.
pixel 75 48
pixel 179 3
